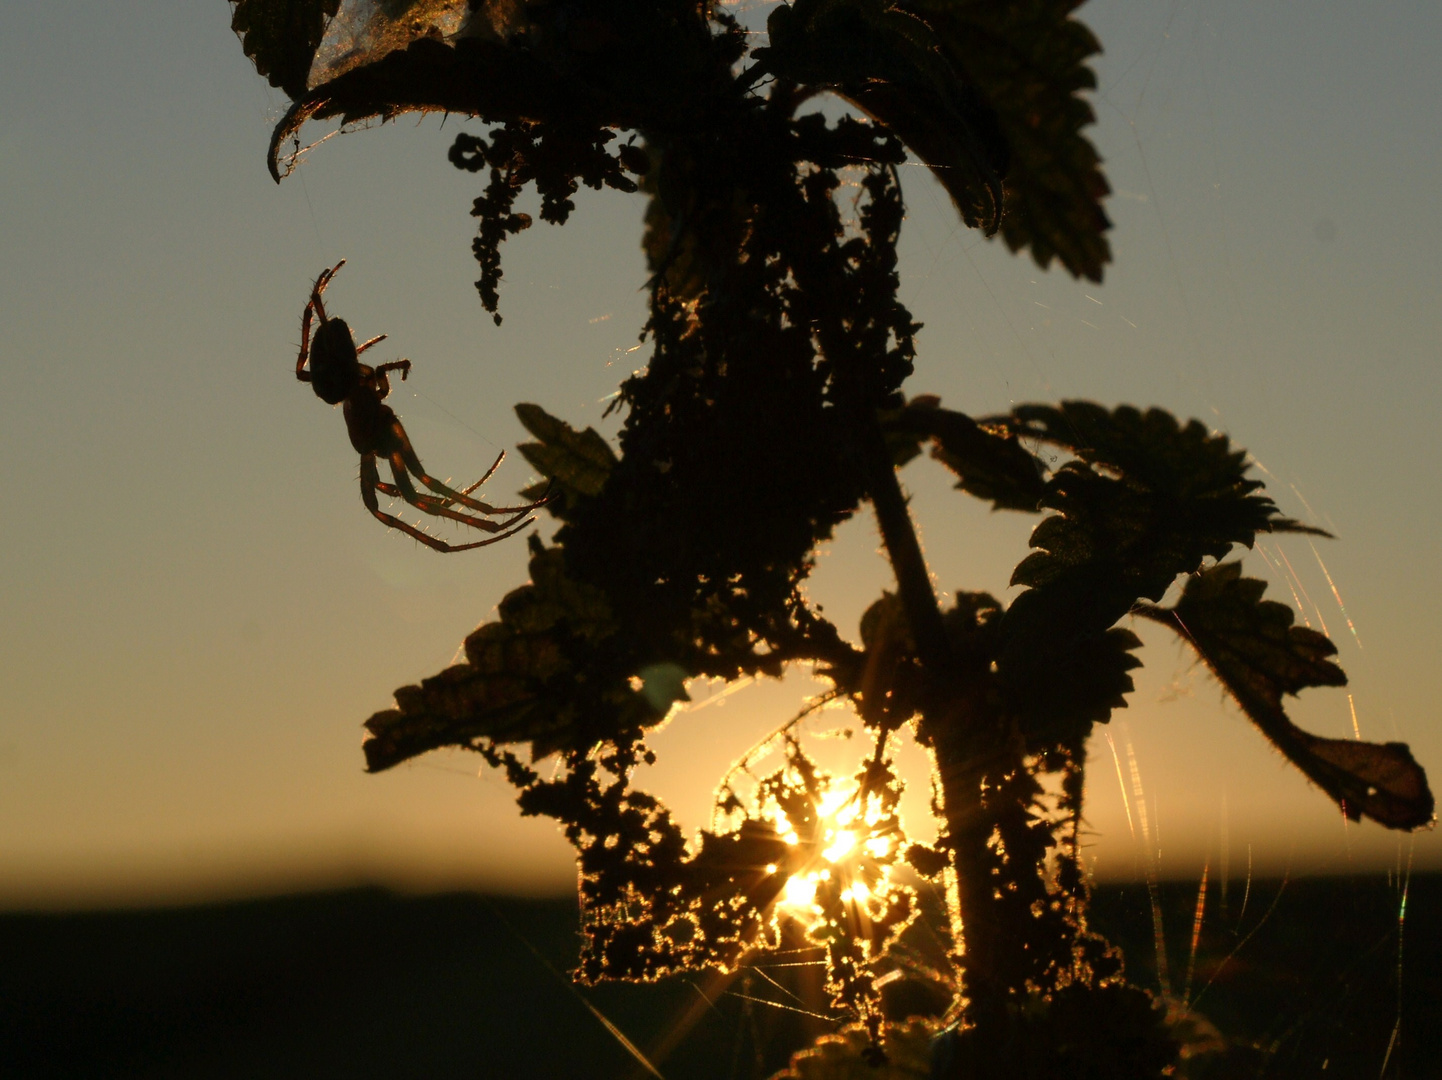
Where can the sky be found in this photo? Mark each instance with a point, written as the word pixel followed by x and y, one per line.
pixel 197 614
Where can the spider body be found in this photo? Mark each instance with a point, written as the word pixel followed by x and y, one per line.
pixel 335 367
pixel 338 377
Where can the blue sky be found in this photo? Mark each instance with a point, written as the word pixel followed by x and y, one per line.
pixel 198 612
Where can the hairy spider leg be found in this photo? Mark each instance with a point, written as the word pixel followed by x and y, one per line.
pixel 383 383
pixel 407 453
pixel 489 473
pixel 395 492
pixel 300 371
pixel 376 341
pixel 316 305
pixel 425 502
pixel 441 507
pixel 420 502
pixel 320 286
pixel 371 482
pixel 321 283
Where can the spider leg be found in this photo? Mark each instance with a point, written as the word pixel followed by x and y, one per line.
pixel 472 487
pixel 300 372
pixel 315 305
pixel 489 473
pixel 371 482
pixel 383 383
pixel 407 453
pixel 320 287
pixel 441 507
pixel 375 341
pixel 395 492
pixel 421 502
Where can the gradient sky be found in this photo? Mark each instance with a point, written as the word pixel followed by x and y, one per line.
pixel 198 613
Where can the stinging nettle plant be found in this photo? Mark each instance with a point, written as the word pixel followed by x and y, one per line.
pixel 770 411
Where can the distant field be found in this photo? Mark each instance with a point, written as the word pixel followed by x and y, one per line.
pixel 363 984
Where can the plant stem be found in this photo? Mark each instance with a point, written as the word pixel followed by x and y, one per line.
pixel 913 580
pixel 967 749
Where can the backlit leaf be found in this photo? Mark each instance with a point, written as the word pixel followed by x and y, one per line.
pixel 988 95
pixel 576 462
pixel 282 36
pixel 1148 499
pixel 1256 652
pixel 550 672
pixel 364 31
pixel 1028 62
pixel 1145 499
pixel 888 62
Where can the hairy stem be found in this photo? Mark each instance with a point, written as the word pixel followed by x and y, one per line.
pixel 913 580
pixel 969 751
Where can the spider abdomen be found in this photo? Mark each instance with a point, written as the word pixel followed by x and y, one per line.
pixel 368 421
pixel 334 369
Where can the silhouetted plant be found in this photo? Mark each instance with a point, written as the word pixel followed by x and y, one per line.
pixel 770 411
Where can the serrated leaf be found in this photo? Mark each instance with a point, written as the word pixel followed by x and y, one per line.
pixel 550 672
pixel 1258 655
pixel 1028 63
pixel 1380 781
pixel 888 62
pixel 1146 499
pixel 1083 684
pixel 577 462
pixel 1149 499
pixel 988 95
pixel 1250 642
pixel 281 37
pixel 1150 449
pixel 475 76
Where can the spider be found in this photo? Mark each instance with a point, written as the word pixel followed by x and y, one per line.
pixel 338 377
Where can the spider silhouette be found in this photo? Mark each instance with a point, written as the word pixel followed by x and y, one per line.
pixel 339 378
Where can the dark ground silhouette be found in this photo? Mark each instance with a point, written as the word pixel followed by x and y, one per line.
pixel 365 983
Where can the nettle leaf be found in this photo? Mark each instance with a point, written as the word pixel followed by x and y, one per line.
pixel 633 65
pixel 474 76
pixel 986 94
pixel 889 63
pixel 1146 499
pixel 990 465
pixel 1252 647
pixel 576 462
pixel 1150 449
pixel 281 37
pixel 365 31
pixel 553 671
pixel 1084 684
pixel 1027 61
